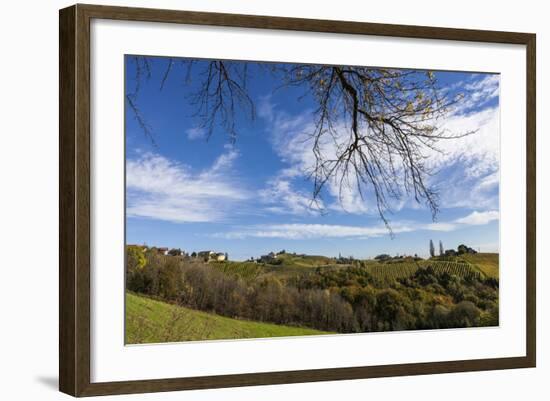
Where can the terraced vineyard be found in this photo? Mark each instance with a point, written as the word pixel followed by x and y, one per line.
pixel 394 271
pixel 299 264
pixel 461 269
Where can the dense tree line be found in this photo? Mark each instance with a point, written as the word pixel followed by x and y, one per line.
pixel 342 300
pixel 204 287
pixel 428 299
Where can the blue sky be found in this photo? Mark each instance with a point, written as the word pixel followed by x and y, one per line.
pixel 252 196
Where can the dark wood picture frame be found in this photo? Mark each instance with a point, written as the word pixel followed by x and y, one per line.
pixel 74 203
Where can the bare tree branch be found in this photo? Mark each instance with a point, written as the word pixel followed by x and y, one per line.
pixel 373 126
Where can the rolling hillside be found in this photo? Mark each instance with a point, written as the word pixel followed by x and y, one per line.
pixel 486 262
pixel 151 321
pixel 304 260
pixel 485 265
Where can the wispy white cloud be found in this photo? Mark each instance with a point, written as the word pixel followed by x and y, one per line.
pixel 466 169
pixel 305 231
pixel 162 189
pixel 317 231
pixel 195 133
pixel 292 142
pixel 482 91
pixel 481 146
pixel 223 164
pixel 280 197
pixel 266 108
pixel 478 90
pixel 479 218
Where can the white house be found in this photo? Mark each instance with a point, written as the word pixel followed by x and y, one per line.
pixel 270 257
pixel 206 255
pixel 163 251
pixel 211 256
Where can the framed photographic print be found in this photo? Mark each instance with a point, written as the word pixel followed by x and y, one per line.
pixel 250 200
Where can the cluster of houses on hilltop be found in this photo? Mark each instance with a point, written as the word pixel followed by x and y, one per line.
pixel 272 258
pixel 207 256
pixel 269 258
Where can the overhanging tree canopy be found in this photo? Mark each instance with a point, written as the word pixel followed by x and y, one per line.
pixel 373 127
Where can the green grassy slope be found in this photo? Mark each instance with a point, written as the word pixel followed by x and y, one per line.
pixel 486 262
pixel 288 265
pixel 481 263
pixel 151 321
pixel 305 260
pixel 298 264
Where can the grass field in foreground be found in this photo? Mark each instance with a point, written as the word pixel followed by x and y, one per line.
pixel 151 321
